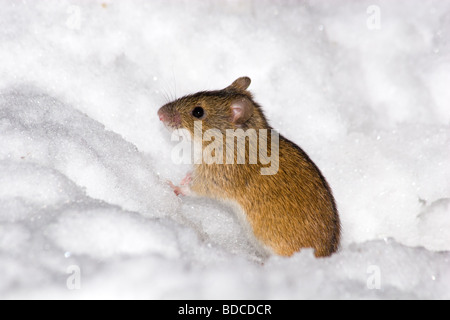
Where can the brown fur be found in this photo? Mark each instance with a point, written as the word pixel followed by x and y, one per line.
pixel 288 211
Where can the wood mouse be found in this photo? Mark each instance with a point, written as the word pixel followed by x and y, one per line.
pixel 287 211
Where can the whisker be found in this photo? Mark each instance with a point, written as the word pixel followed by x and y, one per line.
pixel 166 96
pixel 174 80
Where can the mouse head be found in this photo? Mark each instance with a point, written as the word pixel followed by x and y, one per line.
pixel 230 108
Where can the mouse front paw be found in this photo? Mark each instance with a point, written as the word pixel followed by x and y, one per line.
pixel 184 190
pixel 186 180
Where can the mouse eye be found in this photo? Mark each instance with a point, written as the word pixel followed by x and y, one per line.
pixel 198 112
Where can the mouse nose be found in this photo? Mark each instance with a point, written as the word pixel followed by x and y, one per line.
pixel 161 115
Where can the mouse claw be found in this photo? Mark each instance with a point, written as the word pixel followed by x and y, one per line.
pixel 179 191
pixel 186 180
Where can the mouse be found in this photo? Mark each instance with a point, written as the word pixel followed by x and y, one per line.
pixel 287 210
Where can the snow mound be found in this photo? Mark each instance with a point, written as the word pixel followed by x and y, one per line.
pixel 38 130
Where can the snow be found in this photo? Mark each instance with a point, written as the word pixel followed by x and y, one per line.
pixel 84 159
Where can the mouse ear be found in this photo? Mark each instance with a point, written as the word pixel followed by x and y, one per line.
pixel 241 110
pixel 240 84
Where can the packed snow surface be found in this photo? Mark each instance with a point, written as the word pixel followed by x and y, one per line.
pixel 85 211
